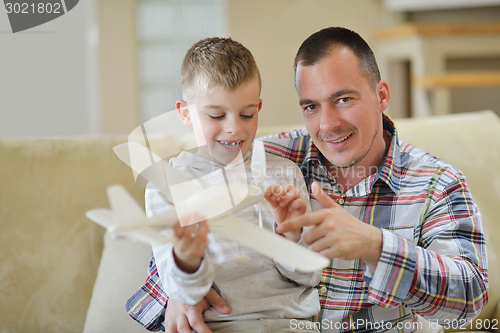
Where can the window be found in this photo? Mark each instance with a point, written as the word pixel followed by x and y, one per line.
pixel 166 29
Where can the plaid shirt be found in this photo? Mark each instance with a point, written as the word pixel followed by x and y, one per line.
pixel 433 260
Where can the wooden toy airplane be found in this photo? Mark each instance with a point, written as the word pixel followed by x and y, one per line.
pixel 127 219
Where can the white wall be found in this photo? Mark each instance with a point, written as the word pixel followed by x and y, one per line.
pixel 48 75
pixel 273 31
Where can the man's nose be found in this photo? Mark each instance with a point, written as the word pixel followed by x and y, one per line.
pixel 329 118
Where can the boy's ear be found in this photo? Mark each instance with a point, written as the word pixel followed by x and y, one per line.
pixel 183 111
pixel 260 104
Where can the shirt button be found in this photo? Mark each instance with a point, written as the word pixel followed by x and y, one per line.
pixel 341 201
pixel 323 289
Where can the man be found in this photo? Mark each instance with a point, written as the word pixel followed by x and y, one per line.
pixel 400 226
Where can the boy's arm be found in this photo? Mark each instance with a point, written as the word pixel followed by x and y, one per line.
pixel 189 249
pixel 288 201
pixel 189 288
pixel 183 282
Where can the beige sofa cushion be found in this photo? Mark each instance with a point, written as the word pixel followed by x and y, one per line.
pixel 123 269
pixel 50 251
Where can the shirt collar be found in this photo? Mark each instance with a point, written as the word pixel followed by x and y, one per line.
pixel 387 172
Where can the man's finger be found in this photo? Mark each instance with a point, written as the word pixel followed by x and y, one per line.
pixel 324 200
pixel 299 222
pixel 198 325
pixel 179 325
pixel 217 302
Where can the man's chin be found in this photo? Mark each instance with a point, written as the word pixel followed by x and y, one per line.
pixel 344 163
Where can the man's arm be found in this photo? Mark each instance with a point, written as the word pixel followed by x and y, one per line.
pixel 443 276
pixel 450 278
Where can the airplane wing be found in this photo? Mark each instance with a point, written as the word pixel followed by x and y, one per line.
pixel 127 219
pixel 102 216
pixel 271 245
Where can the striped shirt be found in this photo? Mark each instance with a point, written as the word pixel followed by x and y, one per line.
pixel 433 260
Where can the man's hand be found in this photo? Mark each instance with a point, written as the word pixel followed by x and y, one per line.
pixel 180 318
pixel 336 233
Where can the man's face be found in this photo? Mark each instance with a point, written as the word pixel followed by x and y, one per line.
pixel 341 111
pixel 225 122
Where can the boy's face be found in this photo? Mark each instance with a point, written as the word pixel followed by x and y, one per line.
pixel 224 121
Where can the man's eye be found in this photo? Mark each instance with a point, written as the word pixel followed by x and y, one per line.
pixel 215 117
pixel 344 100
pixel 310 107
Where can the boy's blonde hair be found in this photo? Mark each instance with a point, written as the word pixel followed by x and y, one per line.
pixel 216 63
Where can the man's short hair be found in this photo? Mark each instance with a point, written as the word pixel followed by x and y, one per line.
pixel 216 63
pixel 319 45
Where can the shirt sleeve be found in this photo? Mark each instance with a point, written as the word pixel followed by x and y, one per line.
pixel 188 288
pixel 443 274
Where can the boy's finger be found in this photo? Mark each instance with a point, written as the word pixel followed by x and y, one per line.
pixel 178 230
pixel 298 205
pixel 191 218
pixel 272 200
pixel 277 190
pixel 202 229
pixel 291 195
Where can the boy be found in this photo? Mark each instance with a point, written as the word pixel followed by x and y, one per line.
pixel 221 90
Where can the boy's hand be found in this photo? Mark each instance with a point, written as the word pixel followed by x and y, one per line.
pixel 191 243
pixel 286 203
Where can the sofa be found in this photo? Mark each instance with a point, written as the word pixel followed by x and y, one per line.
pixel 60 272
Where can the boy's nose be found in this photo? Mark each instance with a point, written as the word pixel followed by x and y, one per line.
pixel 232 126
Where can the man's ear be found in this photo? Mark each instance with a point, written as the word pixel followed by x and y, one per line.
pixel 383 94
pixel 183 111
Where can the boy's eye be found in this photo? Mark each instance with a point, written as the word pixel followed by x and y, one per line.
pixel 247 116
pixel 215 117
